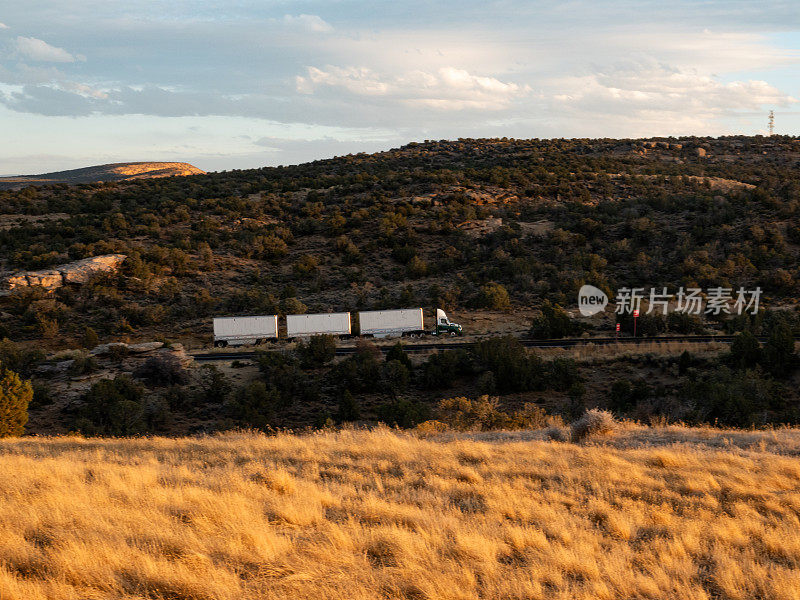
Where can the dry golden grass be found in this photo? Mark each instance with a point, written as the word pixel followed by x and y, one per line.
pixel 669 513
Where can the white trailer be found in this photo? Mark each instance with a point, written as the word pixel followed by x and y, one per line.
pixel 318 324
pixel 239 331
pixel 391 323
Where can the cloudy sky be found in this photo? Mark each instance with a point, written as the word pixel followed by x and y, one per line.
pixel 246 83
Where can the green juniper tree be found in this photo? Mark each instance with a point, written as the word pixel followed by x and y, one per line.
pixel 15 395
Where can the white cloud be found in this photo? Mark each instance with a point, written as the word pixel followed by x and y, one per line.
pixel 21 73
pixel 448 88
pixel 357 80
pixel 308 22
pixel 3 26
pixel 649 98
pixel 658 87
pixel 39 50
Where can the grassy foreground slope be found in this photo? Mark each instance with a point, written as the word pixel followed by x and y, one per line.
pixel 650 513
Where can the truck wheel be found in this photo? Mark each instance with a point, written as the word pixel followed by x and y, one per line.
pixel 452 334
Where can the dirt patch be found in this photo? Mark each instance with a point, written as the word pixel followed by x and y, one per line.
pixel 479 228
pixel 537 227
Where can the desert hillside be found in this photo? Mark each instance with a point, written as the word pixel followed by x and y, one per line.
pixel 648 513
pixel 500 233
pixel 100 173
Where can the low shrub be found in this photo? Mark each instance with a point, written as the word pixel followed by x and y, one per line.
pixel 42 395
pixel 283 373
pixel 737 398
pixel 82 365
pixel 360 372
pixel 465 414
pixel 625 395
pixel 118 352
pixel 214 384
pixel 112 407
pixel 394 377
pixel 430 427
pixel 554 322
pixel 349 409
pixel 484 414
pixel 442 368
pixel 403 413
pixel 317 350
pixel 515 369
pixel 89 339
pixel 162 370
pixel 397 353
pixel 253 405
pixel 494 296
pixel 558 433
pixel 19 359
pixel 594 422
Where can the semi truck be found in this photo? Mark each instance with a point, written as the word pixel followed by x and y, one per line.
pixel 238 331
pixel 318 324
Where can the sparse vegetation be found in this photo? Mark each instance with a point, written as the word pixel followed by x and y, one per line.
pixel 497 230
pixel 568 212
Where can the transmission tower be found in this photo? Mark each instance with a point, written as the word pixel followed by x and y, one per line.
pixel 771 122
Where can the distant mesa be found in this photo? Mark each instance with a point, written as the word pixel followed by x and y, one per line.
pixel 112 172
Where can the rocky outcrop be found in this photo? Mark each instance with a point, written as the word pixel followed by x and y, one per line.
pixel 81 271
pixel 143 349
pixel 46 279
pixel 77 272
pixel 132 348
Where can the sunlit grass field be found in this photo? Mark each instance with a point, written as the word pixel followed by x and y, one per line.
pixel 646 513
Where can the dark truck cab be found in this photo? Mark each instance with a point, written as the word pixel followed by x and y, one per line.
pixel 444 326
